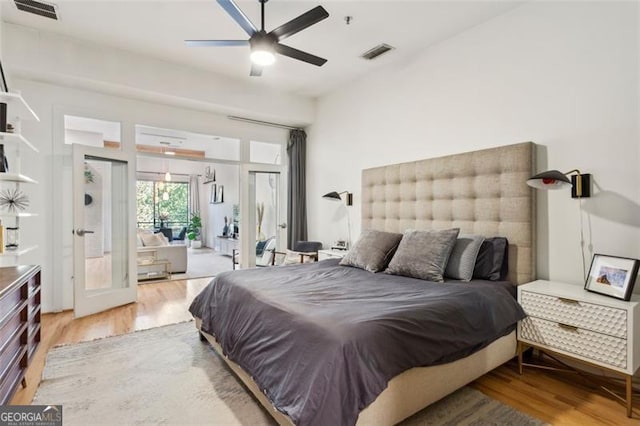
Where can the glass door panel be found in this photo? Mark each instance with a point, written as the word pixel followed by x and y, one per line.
pixel 102 226
pixel 263 227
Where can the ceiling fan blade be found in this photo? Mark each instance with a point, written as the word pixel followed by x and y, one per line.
pixel 299 54
pixel 234 11
pixel 303 21
pixel 256 70
pixel 207 43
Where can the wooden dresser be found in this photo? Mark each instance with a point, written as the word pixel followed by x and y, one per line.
pixel 19 325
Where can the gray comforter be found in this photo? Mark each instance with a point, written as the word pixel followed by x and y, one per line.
pixel 322 340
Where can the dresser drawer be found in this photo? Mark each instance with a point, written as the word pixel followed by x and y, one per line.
pixel 588 316
pixel 591 345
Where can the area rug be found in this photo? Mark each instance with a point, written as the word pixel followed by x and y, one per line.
pixel 167 376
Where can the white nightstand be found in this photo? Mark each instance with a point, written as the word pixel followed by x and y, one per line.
pixel 331 254
pixel 567 320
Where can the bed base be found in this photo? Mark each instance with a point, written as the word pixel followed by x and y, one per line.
pixel 407 393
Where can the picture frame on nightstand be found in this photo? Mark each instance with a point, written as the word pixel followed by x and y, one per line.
pixel 612 276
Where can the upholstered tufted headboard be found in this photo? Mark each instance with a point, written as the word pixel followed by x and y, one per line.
pixel 481 192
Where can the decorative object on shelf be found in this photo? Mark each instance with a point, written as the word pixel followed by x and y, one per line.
pixel 88 199
pixel 3 117
pixel 220 194
pixel 612 276
pixel 13 199
pixel 4 87
pixel 208 176
pixel 4 164
pixel 88 174
pixel 225 230
pixel 12 238
pixel 212 199
pixel 553 179
pixel 260 216
pixel 164 216
pixel 2 238
pixel 217 194
pixel 234 232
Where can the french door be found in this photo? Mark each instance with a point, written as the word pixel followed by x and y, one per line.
pixel 103 229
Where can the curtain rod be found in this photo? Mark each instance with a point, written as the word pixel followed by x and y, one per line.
pixel 162 173
pixel 264 123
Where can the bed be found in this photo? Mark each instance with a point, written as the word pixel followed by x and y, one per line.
pixel 482 192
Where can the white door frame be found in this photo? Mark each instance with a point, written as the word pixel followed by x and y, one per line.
pixel 87 302
pixel 248 214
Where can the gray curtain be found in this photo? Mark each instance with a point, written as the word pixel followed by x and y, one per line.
pixel 297 188
pixel 194 199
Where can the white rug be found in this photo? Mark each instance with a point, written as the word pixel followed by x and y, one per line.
pixel 168 376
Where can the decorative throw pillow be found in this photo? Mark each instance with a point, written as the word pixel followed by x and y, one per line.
pixel 372 251
pixel 491 263
pixel 423 254
pixel 463 257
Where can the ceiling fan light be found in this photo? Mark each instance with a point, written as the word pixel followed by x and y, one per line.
pixel 262 57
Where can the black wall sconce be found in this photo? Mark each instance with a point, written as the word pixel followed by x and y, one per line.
pixel 336 196
pixel 553 179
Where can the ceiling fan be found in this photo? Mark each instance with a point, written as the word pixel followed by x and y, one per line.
pixel 263 45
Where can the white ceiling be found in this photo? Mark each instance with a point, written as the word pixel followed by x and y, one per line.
pixel 158 28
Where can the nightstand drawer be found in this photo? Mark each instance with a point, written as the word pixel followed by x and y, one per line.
pixel 594 346
pixel 588 316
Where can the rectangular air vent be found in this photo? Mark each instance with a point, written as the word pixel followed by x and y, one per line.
pixel 376 51
pixel 47 10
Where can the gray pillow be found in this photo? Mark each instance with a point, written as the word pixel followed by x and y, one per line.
pixel 463 257
pixel 372 251
pixel 423 254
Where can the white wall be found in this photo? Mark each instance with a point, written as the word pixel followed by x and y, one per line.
pixel 561 74
pixel 53 58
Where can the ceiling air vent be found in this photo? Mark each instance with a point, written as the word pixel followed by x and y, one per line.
pixel 376 51
pixel 48 10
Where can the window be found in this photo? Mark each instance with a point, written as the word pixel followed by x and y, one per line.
pixel 162 204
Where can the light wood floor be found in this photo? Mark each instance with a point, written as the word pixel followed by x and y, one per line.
pixel 552 397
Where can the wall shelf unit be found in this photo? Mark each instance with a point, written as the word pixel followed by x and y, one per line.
pixel 16 177
pixel 19 252
pixel 17 107
pixel 14 138
pixel 18 214
pixel 17 111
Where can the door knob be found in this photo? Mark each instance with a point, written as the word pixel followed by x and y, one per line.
pixel 80 232
pixel 283 225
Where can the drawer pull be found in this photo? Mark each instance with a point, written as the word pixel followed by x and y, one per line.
pixel 567 327
pixel 569 301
